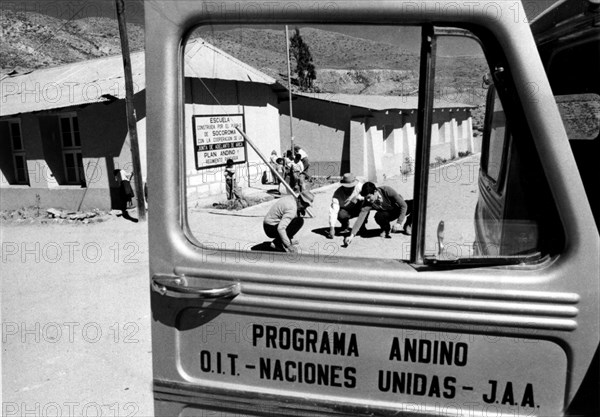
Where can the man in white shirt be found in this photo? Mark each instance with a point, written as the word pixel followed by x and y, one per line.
pixel 304 158
pixel 284 220
pixel 346 204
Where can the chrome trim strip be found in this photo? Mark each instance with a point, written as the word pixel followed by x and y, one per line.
pixel 410 300
pixel 240 401
pixel 401 286
pixel 406 313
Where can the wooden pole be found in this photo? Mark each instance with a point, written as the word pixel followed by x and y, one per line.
pixel 273 170
pixel 287 48
pixel 130 108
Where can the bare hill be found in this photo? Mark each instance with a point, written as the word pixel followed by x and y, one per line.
pixel 345 64
pixel 32 40
pixel 329 49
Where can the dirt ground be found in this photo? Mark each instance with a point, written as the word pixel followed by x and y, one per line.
pixel 452 196
pixel 76 318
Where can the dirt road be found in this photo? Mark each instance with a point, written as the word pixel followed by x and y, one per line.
pixel 76 320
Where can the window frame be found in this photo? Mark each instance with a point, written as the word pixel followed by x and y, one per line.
pixel 503 90
pixel 430 33
pixel 18 153
pixel 72 149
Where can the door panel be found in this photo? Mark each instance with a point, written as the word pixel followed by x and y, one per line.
pixel 527 331
pixel 298 358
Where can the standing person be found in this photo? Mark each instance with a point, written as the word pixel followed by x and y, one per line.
pixel 284 220
pixel 275 165
pixel 126 193
pixel 304 159
pixel 296 171
pixel 288 160
pixel 388 204
pixel 282 171
pixel 230 181
pixel 345 204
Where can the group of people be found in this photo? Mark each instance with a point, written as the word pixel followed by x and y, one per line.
pixel 353 199
pixel 293 168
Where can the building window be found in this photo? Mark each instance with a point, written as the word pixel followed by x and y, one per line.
pixel 71 149
pixel 18 153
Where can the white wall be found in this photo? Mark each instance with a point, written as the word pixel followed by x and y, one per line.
pixel 261 120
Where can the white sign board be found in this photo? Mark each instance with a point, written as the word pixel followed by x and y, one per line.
pixel 216 140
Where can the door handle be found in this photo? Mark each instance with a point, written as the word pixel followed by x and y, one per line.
pixel 178 286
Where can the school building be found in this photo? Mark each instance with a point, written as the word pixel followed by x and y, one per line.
pixel 372 136
pixel 63 130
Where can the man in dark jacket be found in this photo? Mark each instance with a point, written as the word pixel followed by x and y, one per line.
pixel 388 204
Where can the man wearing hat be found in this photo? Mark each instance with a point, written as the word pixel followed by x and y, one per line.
pixel 284 220
pixel 345 203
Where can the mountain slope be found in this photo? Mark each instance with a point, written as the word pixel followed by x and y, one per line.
pixel 32 40
pixel 345 64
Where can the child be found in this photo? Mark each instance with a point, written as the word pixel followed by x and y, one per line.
pixel 274 164
pixel 230 183
pixel 297 169
pixel 288 159
pixel 282 171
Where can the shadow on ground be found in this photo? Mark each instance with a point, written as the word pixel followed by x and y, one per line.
pixel 264 246
pixel 369 233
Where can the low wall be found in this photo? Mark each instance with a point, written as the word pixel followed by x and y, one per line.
pixel 64 197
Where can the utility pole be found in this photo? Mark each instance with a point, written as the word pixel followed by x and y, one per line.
pixel 130 108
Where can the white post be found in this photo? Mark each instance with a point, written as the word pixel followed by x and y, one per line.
pixel 287 48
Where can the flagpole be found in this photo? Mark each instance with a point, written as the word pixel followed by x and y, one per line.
pixel 289 73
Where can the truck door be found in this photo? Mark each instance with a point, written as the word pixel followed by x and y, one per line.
pixel 415 324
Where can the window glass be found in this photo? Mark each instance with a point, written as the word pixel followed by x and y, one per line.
pixel 497 141
pixel 353 111
pixel 580 114
pixel 485 190
pixel 74 167
pixel 65 126
pixel 76 139
pixel 21 169
pixel 70 167
pixel 80 170
pixel 14 166
pixel 455 147
pixel 73 161
pixel 15 132
pixel 344 146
